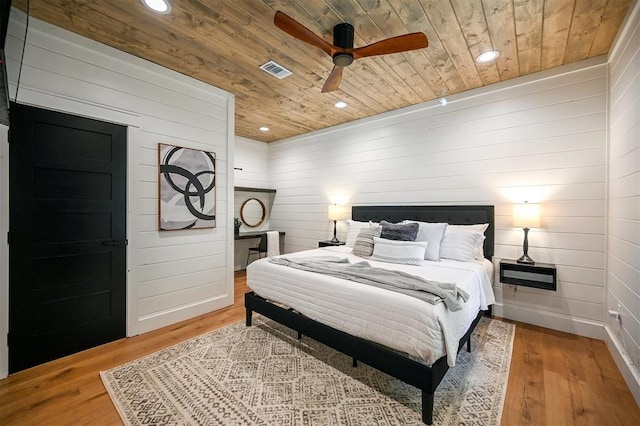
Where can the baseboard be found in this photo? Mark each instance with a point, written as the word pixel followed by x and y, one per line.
pixel 552 320
pixel 165 318
pixel 629 372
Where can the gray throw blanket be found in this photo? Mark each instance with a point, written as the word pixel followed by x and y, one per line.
pixel 362 272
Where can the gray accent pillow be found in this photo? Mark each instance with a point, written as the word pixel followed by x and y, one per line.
pixel 399 231
pixel 364 241
pixel 353 227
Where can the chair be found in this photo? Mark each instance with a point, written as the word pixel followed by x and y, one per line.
pixel 259 249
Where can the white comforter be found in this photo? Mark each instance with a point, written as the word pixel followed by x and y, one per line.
pixel 395 320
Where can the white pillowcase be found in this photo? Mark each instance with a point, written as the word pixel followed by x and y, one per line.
pixel 480 228
pixel 353 229
pixel 394 251
pixel 433 233
pixel 460 244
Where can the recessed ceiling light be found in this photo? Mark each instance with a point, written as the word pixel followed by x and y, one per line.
pixel 340 104
pixel 158 6
pixel 264 129
pixel 487 56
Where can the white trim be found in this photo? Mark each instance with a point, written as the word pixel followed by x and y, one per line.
pixel 625 30
pixel 78 107
pixel 230 196
pixel 624 363
pixel 554 321
pixel 180 313
pixel 607 164
pixel 133 134
pixel 4 251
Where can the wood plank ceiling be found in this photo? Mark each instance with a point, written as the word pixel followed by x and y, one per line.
pixel 223 42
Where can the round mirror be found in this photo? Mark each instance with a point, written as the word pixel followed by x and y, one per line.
pixel 252 212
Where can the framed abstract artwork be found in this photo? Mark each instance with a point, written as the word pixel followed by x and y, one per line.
pixel 187 184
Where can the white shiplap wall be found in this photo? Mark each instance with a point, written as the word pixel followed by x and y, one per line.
pixel 253 158
pixel 541 138
pixel 171 275
pixel 623 244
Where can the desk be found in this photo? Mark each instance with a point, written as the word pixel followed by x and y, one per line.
pixel 243 242
pixel 255 234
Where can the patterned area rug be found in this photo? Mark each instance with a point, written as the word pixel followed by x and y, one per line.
pixel 262 375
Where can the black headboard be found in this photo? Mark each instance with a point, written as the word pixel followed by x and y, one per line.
pixel 454 215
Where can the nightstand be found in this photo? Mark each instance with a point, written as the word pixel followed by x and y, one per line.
pixel 328 243
pixel 538 275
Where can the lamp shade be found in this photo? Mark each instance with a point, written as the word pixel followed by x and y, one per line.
pixel 336 212
pixel 526 215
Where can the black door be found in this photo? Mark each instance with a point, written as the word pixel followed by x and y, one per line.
pixel 67 235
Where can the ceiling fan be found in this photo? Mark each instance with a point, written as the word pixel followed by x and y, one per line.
pixel 342 51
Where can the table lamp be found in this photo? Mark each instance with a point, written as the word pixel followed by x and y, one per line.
pixel 525 216
pixel 336 213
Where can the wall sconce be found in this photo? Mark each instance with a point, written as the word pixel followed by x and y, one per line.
pixel 525 216
pixel 336 213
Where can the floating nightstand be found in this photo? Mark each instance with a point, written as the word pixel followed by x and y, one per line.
pixel 539 275
pixel 329 243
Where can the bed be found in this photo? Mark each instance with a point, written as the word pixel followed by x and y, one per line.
pixel 413 344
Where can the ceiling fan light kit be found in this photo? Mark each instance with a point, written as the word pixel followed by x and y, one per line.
pixel 343 37
pixel 342 59
pixel 342 51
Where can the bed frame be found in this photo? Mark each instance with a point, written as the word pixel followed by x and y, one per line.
pixel 425 378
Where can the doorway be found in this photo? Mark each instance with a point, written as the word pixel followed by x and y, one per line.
pixel 67 234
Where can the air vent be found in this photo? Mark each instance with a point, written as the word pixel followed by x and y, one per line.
pixel 275 69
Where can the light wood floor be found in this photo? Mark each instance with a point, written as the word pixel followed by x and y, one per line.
pixel 555 378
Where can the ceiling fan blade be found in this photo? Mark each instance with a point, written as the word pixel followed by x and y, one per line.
pixel 334 79
pixel 397 44
pixel 299 31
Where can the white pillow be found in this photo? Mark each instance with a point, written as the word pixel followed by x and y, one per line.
pixel 394 251
pixel 481 227
pixel 353 229
pixel 460 244
pixel 433 233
